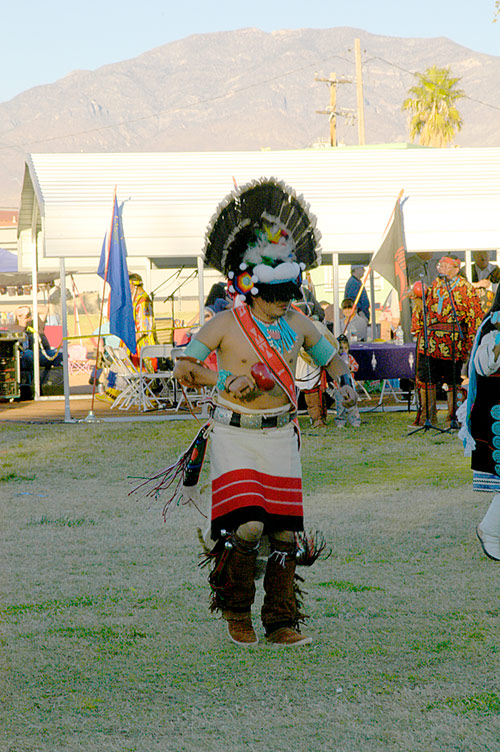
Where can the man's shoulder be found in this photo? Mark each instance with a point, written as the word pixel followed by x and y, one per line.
pixel 221 321
pixel 298 320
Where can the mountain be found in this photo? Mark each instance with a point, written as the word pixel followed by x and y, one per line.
pixel 240 90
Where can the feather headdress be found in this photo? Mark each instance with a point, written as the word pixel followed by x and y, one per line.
pixel 262 233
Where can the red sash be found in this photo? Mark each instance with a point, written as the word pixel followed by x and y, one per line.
pixel 271 357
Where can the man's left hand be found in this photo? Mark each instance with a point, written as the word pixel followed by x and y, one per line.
pixel 349 396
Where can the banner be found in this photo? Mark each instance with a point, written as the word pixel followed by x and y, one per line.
pixel 113 269
pixel 390 262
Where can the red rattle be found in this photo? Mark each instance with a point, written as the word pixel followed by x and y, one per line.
pixel 262 376
pixel 417 289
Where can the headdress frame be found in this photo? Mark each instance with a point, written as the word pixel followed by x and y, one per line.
pixel 245 211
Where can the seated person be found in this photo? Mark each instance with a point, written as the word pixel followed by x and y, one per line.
pixel 48 356
pixel 353 325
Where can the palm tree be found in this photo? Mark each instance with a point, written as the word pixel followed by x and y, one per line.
pixel 434 117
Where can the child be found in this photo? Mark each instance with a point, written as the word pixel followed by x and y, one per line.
pixel 346 414
pixel 480 431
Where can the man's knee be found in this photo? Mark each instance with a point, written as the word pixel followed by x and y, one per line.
pixel 250 531
pixel 285 536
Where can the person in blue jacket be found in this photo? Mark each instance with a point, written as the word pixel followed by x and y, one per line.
pixel 351 290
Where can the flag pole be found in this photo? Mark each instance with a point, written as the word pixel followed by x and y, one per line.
pixel 368 270
pixel 91 416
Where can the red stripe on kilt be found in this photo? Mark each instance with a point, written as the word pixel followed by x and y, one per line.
pixel 242 488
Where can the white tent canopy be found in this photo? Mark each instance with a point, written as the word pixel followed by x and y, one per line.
pixel 452 198
pixel 451 201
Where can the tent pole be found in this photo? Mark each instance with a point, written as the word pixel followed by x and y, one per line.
pixel 372 305
pixel 335 280
pixel 64 312
pixel 201 292
pixel 34 295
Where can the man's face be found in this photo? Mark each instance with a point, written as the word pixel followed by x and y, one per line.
pixel 358 272
pixel 271 309
pixel 482 259
pixel 447 268
pixel 24 317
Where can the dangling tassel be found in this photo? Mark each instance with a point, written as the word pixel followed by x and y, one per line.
pixel 184 472
pixel 310 547
pixel 217 557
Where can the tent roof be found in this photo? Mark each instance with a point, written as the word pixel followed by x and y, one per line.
pixel 451 197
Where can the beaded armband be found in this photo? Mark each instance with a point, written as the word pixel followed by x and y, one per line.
pixel 197 350
pixel 223 376
pixel 322 352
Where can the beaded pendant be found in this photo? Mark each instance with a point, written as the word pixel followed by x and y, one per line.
pixel 279 335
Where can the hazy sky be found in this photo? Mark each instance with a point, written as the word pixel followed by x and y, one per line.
pixel 44 41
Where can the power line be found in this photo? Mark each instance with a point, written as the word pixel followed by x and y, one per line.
pixel 413 73
pixel 172 110
pixel 218 98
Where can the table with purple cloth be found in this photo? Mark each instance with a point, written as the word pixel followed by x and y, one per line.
pixel 384 360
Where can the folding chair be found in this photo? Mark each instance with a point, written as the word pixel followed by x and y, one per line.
pixel 122 365
pixel 361 390
pixel 148 377
pixel 77 359
pixel 191 395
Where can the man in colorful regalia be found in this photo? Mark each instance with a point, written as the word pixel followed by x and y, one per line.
pixel 262 238
pixel 453 317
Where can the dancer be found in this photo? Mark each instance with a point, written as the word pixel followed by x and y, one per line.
pixel 480 431
pixel 262 238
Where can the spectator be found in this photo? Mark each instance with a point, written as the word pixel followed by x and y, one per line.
pixel 421 266
pixel 145 330
pixel 352 287
pixel 48 356
pixel 483 269
pixel 352 323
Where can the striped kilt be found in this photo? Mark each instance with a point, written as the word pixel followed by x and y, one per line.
pixel 256 476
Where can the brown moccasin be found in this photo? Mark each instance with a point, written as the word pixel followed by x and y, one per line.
pixel 288 636
pixel 240 628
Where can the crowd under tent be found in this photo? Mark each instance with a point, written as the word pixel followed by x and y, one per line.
pixel 451 202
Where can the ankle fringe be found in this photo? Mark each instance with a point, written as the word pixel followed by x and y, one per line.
pixel 310 547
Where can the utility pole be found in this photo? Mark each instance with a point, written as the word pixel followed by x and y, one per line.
pixel 359 93
pixel 331 110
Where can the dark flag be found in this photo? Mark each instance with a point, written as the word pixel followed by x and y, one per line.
pixel 390 262
pixel 113 269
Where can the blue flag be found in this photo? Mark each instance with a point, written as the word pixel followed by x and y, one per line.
pixel 121 311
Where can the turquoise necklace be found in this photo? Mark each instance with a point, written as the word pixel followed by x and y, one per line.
pixel 443 293
pixel 279 335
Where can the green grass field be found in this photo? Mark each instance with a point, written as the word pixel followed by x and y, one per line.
pixel 108 644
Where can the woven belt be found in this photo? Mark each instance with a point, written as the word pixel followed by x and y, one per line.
pixel 444 327
pixel 247 420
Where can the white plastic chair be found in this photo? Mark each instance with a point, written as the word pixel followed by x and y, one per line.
pixel 147 377
pixel 191 395
pixel 121 364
